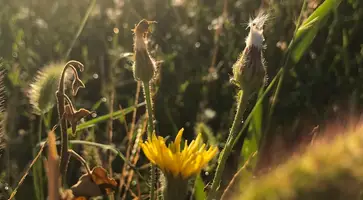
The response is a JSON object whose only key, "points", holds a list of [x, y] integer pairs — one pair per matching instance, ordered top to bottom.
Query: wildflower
{"points": [[144, 65], [249, 70], [172, 160], [177, 164]]}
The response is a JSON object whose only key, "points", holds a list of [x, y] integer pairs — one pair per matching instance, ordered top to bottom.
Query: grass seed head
{"points": [[42, 91]]}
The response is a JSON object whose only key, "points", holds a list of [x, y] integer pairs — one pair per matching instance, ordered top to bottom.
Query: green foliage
{"points": [[306, 33], [197, 43], [199, 193]]}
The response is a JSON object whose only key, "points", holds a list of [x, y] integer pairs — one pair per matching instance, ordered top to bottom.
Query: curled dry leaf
{"points": [[76, 85], [72, 115], [95, 184]]}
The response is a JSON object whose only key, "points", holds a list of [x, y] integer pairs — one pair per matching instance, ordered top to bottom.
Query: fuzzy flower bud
{"points": [[144, 65], [249, 70]]}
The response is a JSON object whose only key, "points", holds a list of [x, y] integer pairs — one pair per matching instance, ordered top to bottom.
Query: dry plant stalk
{"points": [[77, 83], [52, 167]]}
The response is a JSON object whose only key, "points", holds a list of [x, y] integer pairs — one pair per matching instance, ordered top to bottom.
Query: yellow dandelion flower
{"points": [[172, 159]]}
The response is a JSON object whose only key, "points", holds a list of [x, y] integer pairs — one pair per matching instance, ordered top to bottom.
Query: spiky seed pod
{"points": [[144, 65], [249, 70], [42, 91]]}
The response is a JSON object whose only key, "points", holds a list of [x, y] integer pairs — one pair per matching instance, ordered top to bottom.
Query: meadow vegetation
{"points": [[181, 99]]}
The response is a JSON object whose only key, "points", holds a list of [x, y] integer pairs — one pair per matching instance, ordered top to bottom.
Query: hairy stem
{"points": [[242, 103], [150, 130]]}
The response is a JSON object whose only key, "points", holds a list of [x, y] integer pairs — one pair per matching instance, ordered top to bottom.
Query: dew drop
{"points": [[116, 30], [197, 44], [15, 55], [95, 76], [103, 99], [94, 115], [206, 173], [133, 183]]}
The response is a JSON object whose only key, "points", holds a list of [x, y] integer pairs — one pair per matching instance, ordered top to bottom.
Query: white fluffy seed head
{"points": [[255, 36]]}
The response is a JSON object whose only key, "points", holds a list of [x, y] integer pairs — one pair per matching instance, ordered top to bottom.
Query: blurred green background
{"points": [[197, 41]]}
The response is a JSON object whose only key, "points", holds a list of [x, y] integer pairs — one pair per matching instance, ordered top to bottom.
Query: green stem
{"points": [[83, 23], [242, 103], [150, 130], [39, 163], [37, 169]]}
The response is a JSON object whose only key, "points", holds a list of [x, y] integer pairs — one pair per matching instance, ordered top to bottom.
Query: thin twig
{"points": [[217, 34], [135, 155], [27, 170], [124, 174], [236, 175]]}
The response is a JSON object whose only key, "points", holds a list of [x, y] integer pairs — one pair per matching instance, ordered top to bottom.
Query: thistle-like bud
{"points": [[144, 65], [249, 70]]}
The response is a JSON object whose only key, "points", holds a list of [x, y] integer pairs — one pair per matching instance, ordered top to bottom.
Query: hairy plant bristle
{"points": [[45, 84]]}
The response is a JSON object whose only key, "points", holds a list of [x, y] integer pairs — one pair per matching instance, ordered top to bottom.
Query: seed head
{"points": [[255, 36], [44, 86]]}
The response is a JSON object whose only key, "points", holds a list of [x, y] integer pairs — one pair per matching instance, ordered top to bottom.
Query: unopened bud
{"points": [[144, 65], [249, 70]]}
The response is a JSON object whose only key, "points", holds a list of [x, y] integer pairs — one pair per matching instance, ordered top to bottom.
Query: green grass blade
{"points": [[308, 30], [79, 31], [103, 118], [199, 193]]}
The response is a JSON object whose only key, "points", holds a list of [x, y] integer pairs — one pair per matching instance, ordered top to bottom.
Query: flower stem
{"points": [[242, 103], [150, 130], [175, 188]]}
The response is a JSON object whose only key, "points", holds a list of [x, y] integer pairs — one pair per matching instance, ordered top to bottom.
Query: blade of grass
{"points": [[83, 23], [308, 30], [302, 39], [114, 115], [199, 193]]}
